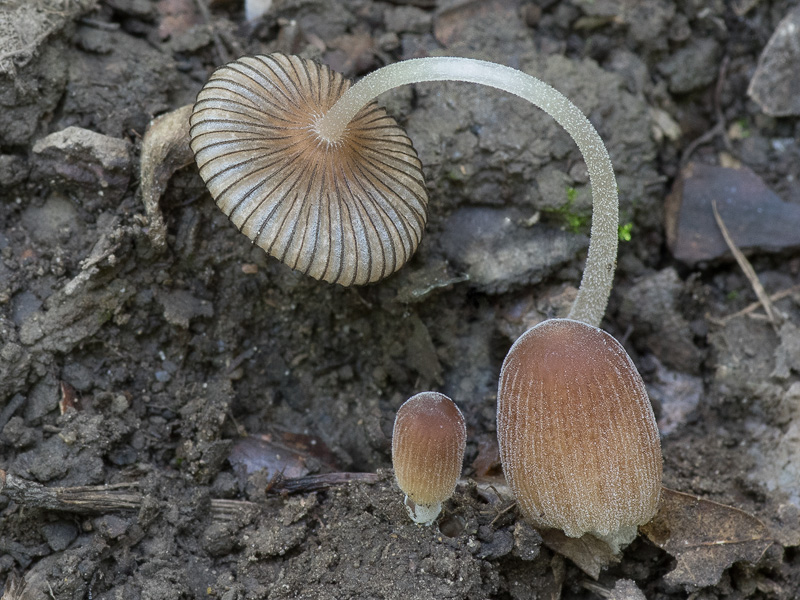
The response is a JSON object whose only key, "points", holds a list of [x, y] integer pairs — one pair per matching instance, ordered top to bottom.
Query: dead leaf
{"points": [[69, 398], [287, 454], [486, 466], [704, 537], [589, 554]]}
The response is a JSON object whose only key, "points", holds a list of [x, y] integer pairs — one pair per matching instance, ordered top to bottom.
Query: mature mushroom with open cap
{"points": [[312, 170], [350, 211]]}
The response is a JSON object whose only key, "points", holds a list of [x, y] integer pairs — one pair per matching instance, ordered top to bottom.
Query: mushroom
{"points": [[314, 172], [317, 174], [346, 211], [578, 439], [428, 444]]}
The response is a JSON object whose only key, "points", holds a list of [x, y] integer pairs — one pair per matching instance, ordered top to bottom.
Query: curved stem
{"points": [[598, 275]]}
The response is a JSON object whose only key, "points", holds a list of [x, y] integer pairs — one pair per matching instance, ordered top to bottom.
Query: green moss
{"points": [[744, 127], [572, 193], [574, 220], [624, 231]]}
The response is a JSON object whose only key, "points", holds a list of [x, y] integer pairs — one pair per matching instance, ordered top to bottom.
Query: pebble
{"points": [[775, 86], [83, 158], [755, 216]]}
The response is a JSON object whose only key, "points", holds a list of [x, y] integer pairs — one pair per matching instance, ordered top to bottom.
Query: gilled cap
{"points": [[350, 211]]}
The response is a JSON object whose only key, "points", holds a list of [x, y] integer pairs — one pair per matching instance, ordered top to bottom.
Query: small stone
{"points": [[408, 19], [692, 67], [775, 85], [85, 159], [755, 216], [53, 223], [499, 253], [180, 307], [123, 456], [111, 526], [59, 535], [527, 541]]}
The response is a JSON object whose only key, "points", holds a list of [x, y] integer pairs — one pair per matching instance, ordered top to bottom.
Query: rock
{"points": [[692, 67], [775, 86], [85, 159], [13, 170], [755, 216], [499, 254], [181, 306], [652, 307], [59, 535]]}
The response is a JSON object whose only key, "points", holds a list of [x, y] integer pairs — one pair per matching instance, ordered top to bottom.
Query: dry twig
{"points": [[719, 125], [749, 272], [754, 305], [98, 499]]}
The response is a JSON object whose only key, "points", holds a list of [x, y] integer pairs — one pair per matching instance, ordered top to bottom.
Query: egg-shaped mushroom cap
{"points": [[351, 211], [578, 439], [428, 445]]}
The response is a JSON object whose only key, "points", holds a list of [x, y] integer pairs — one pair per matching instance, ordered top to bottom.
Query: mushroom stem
{"points": [[590, 304]]}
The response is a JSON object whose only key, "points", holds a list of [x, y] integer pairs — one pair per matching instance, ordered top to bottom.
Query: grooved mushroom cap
{"points": [[350, 211], [578, 439], [428, 444]]}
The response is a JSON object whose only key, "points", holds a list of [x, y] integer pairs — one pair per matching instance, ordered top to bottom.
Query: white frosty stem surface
{"points": [[598, 275], [422, 514]]}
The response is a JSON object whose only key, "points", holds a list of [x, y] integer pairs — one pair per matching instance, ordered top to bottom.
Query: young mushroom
{"points": [[317, 174], [578, 440], [428, 444]]}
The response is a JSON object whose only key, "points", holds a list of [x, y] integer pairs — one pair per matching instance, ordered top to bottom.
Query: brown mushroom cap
{"points": [[350, 211], [578, 439], [428, 444]]}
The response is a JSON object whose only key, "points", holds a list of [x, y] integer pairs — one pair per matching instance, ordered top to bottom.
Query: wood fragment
{"points": [[165, 149], [773, 316], [315, 483], [81, 499], [99, 499]]}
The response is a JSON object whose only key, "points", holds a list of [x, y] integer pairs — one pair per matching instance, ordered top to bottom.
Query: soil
{"points": [[202, 373]]}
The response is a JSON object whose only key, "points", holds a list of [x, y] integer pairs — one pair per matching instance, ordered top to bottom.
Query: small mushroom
{"points": [[349, 211], [578, 439], [428, 444]]}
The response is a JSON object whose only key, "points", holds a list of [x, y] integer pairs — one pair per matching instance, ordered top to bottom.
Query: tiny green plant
{"points": [[625, 231]]}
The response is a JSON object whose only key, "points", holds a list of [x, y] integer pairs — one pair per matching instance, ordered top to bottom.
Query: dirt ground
{"points": [[198, 379]]}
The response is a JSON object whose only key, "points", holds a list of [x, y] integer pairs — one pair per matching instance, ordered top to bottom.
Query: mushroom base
{"points": [[422, 514], [619, 539]]}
